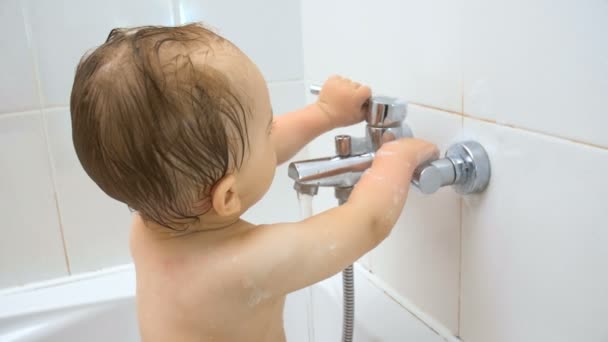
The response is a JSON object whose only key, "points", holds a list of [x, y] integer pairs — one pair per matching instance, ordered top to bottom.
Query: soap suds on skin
{"points": [[369, 173], [257, 295]]}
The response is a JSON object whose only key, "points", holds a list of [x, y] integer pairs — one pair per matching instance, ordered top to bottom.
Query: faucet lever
{"points": [[315, 89], [383, 111], [343, 145], [466, 167], [429, 177]]}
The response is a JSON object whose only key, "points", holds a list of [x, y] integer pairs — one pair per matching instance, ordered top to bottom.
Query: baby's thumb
{"points": [[418, 151]]}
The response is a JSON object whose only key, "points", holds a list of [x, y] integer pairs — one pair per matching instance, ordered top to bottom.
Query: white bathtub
{"points": [[100, 306]]}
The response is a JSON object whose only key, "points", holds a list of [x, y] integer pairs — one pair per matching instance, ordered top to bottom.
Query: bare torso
{"points": [[197, 288]]}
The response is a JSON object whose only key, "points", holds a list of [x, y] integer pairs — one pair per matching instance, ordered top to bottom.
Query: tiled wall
{"points": [[55, 221], [526, 261]]}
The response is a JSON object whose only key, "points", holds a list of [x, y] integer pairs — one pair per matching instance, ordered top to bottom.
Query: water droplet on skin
{"points": [[392, 142], [386, 153], [372, 175]]}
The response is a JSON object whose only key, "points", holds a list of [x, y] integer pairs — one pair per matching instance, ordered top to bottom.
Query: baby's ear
{"points": [[225, 198]]}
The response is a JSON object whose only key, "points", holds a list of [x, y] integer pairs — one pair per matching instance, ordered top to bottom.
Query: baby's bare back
{"points": [[198, 288]]}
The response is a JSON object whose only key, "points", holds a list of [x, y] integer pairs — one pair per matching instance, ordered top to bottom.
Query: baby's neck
{"points": [[206, 223]]}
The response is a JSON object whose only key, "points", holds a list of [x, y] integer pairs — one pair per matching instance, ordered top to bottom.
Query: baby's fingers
{"points": [[363, 92], [411, 150]]}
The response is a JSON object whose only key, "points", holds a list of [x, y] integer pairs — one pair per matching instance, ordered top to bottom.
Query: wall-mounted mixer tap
{"points": [[466, 165]]}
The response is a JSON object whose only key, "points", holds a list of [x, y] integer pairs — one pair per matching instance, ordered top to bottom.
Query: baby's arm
{"points": [[340, 103], [286, 257]]}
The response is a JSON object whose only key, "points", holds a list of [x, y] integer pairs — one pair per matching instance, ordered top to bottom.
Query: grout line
{"points": [[177, 18], [33, 55], [49, 108], [435, 108], [32, 110], [17, 111], [24, 113], [43, 123], [529, 130], [535, 131], [55, 194], [460, 203], [460, 263], [65, 280], [310, 314], [426, 319]]}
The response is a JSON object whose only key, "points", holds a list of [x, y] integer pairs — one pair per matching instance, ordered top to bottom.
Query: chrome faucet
{"points": [[466, 165]]}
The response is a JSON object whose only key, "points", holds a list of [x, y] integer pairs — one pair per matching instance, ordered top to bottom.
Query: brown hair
{"points": [[151, 128]]}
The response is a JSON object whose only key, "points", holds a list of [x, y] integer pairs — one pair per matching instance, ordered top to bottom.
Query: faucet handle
{"points": [[315, 89], [385, 111], [343, 145], [466, 166], [431, 176]]}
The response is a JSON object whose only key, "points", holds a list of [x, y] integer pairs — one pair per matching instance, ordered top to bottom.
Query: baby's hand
{"points": [[343, 101], [385, 185]]}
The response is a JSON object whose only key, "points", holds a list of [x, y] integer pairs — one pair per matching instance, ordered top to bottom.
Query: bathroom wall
{"points": [[55, 221], [527, 259]]}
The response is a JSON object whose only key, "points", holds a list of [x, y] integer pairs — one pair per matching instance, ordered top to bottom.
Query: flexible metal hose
{"points": [[348, 286]]}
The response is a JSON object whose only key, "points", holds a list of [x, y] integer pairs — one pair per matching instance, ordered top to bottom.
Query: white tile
{"points": [[63, 31], [267, 31], [409, 49], [541, 65], [18, 90], [286, 96], [280, 204], [96, 227], [31, 248], [534, 256], [420, 259], [327, 309], [295, 316]]}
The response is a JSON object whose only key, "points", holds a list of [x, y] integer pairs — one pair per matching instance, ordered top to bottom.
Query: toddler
{"points": [[176, 122]]}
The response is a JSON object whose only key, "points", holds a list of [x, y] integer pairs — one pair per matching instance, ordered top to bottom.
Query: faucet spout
{"points": [[331, 172]]}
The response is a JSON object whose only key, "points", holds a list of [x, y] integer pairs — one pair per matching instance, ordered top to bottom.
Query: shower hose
{"points": [[348, 289]]}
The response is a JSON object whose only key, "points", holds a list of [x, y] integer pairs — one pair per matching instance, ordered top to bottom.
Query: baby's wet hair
{"points": [[154, 127]]}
